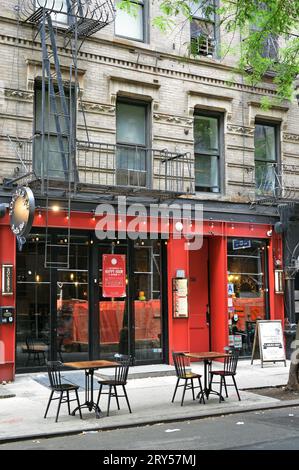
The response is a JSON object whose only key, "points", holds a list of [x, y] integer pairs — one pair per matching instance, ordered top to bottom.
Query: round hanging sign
{"points": [[21, 211]]}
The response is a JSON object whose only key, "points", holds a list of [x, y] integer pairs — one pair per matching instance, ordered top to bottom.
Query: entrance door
{"points": [[199, 299], [147, 301], [72, 307], [114, 318], [133, 325]]}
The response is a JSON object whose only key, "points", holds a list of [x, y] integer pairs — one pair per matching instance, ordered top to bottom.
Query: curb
{"points": [[4, 394], [151, 422]]}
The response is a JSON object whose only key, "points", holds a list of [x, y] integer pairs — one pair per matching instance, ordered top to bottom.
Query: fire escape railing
{"points": [[116, 166], [276, 181]]}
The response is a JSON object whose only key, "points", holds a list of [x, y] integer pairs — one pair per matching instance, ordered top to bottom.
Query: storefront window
{"points": [[247, 290], [147, 303], [33, 304]]}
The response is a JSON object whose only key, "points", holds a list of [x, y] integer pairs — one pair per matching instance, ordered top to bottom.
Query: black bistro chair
{"points": [[36, 351], [180, 363], [229, 370], [120, 380], [56, 386]]}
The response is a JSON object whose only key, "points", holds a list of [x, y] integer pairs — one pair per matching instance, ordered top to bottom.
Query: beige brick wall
{"points": [[159, 73]]}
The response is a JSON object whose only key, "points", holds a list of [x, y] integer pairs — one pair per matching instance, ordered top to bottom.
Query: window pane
{"points": [[59, 7], [201, 9], [128, 25], [49, 120], [130, 123], [206, 134], [264, 143], [57, 164], [206, 173], [264, 178], [246, 274]]}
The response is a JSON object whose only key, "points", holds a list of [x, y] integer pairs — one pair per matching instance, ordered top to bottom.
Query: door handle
{"points": [[208, 315]]}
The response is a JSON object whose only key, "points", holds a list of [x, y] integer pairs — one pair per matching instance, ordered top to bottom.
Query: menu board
{"points": [[180, 297], [269, 338]]}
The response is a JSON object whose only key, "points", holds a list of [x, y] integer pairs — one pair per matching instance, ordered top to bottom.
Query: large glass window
{"points": [[131, 25], [202, 28], [265, 145], [207, 153], [131, 155], [247, 290], [33, 304], [38, 308]]}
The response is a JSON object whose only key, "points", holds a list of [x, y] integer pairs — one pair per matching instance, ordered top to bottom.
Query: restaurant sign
{"points": [[114, 276], [7, 279]]}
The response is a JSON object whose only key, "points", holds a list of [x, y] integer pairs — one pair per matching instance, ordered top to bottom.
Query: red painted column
{"points": [[177, 258], [275, 262], [218, 293], [7, 331]]}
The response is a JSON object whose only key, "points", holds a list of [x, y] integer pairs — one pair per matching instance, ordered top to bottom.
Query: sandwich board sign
{"points": [[268, 344]]}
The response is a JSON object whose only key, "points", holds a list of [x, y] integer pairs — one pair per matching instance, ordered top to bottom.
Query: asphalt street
{"points": [[259, 430]]}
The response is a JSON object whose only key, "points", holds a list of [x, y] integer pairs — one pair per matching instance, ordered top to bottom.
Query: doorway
{"points": [[199, 299]]}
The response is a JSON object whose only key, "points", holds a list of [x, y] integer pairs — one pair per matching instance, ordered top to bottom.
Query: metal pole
{"points": [[290, 298]]}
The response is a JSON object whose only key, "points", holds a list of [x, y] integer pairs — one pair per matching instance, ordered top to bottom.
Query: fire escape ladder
{"points": [[54, 180]]}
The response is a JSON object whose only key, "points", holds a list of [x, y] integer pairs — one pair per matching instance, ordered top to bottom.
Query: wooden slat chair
{"points": [[180, 362], [229, 370], [119, 380], [56, 386]]}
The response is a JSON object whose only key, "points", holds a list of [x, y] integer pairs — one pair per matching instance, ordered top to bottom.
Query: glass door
{"points": [[147, 301], [72, 302], [114, 322]]}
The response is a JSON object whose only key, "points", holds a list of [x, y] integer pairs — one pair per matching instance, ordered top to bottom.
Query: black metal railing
{"points": [[107, 165], [277, 181]]}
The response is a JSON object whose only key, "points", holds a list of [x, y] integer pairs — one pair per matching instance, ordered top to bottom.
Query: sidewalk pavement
{"points": [[21, 417]]}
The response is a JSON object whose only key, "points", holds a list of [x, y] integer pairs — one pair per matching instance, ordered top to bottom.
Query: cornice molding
{"points": [[146, 68], [19, 95], [96, 108], [170, 119], [240, 130], [287, 137]]}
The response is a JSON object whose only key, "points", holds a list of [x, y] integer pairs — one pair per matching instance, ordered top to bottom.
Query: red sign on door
{"points": [[114, 276]]}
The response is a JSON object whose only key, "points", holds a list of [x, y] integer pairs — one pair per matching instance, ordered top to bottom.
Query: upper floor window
{"points": [[60, 11], [131, 26], [203, 28], [270, 47], [51, 135], [265, 148], [207, 153], [132, 165]]}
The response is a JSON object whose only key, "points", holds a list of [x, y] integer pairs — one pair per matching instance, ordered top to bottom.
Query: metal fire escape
{"points": [[73, 21]]}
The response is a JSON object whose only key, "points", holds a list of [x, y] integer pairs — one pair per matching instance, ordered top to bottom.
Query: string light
{"points": [[55, 208]]}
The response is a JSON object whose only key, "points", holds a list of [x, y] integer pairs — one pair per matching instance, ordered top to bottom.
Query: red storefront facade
{"points": [[208, 324]]}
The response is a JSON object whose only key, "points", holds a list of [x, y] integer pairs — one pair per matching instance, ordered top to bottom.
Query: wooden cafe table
{"points": [[207, 358], [90, 367]]}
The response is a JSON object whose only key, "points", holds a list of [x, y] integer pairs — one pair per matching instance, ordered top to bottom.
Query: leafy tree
{"points": [[256, 21]]}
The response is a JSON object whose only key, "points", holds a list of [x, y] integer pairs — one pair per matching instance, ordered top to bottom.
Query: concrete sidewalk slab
{"points": [[21, 417]]}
